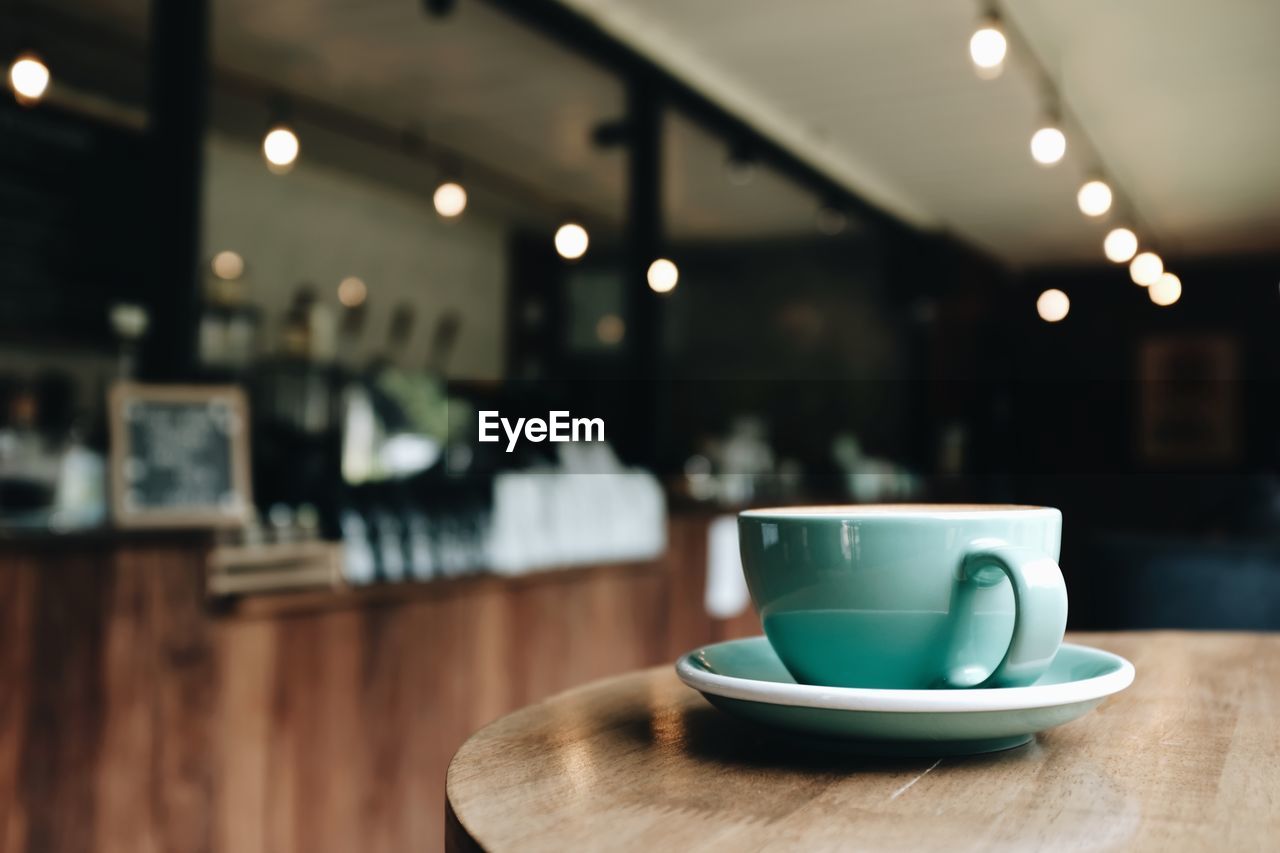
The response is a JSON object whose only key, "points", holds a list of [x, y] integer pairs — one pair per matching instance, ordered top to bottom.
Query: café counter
{"points": [[136, 715]]}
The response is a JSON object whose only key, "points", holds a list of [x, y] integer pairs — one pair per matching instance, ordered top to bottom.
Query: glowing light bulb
{"points": [[987, 49], [29, 78], [1048, 145], [280, 147], [1094, 198], [450, 199], [571, 241], [1120, 245], [227, 265], [1145, 268], [663, 276], [1166, 290], [352, 291], [1053, 305], [610, 329]]}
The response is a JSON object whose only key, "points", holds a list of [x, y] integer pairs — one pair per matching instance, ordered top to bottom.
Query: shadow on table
{"points": [[706, 734]]}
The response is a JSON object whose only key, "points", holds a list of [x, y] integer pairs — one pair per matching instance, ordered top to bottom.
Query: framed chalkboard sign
{"points": [[179, 456]]}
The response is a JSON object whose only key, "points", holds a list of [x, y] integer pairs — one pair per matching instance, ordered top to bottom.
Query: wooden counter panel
{"points": [[103, 690], [133, 719], [334, 728]]}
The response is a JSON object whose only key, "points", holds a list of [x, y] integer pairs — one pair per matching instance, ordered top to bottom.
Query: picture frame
{"points": [[1189, 407], [179, 456]]}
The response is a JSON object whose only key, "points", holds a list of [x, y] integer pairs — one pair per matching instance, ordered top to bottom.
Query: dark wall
{"points": [[73, 237], [804, 334], [864, 334], [1156, 431], [1177, 441]]}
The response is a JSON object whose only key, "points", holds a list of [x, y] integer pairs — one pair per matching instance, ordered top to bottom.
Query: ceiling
{"points": [[474, 82], [1179, 99], [511, 102]]}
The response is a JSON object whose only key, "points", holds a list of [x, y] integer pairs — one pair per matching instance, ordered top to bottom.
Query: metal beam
{"points": [[586, 38], [177, 81]]}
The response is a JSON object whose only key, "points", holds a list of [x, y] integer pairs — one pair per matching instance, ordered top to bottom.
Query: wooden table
{"points": [[1186, 758]]}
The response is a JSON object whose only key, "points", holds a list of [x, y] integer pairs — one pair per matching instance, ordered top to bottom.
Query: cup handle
{"points": [[1040, 607]]}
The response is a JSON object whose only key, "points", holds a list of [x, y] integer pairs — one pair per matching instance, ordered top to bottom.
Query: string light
{"points": [[987, 48], [29, 78], [1048, 145], [280, 147], [1094, 198], [450, 199], [571, 241], [1120, 245], [227, 265], [1145, 268], [662, 276], [1166, 290], [352, 291], [1053, 305], [610, 329]]}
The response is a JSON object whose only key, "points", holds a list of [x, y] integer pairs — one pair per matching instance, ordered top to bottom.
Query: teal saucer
{"points": [[745, 679]]}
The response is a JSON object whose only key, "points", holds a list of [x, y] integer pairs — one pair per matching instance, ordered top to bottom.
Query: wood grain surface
{"points": [[106, 674], [134, 719], [1188, 758]]}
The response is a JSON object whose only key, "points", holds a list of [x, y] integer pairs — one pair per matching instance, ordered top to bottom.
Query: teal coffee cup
{"points": [[908, 596]]}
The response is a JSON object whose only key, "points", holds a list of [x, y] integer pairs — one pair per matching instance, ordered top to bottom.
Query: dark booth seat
{"points": [[1138, 581]]}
